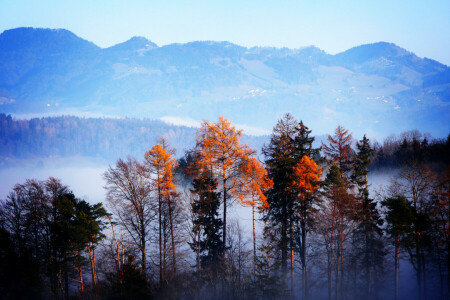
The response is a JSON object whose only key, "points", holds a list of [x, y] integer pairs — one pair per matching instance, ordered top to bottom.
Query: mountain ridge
{"points": [[50, 71]]}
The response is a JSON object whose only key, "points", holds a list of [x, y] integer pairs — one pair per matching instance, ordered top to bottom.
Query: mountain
{"points": [[376, 89]]}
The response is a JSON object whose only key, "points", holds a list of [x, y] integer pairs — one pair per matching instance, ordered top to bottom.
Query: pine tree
{"points": [[280, 160], [206, 211], [399, 220], [368, 234]]}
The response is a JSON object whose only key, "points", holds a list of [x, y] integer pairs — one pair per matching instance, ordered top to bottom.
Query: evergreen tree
{"points": [[280, 160], [206, 209], [399, 220], [368, 244]]}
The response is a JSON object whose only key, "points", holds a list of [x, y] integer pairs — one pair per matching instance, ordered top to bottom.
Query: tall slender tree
{"points": [[221, 153], [280, 160], [160, 163], [306, 181], [250, 188], [128, 197], [205, 209], [399, 225], [369, 232]]}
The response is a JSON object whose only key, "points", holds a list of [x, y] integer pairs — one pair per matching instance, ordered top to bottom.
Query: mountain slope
{"points": [[375, 88]]}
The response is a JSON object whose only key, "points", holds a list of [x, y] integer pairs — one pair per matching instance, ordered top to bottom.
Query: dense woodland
{"points": [[166, 230]]}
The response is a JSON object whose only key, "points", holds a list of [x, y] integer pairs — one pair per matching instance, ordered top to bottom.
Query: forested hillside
{"points": [[105, 138]]}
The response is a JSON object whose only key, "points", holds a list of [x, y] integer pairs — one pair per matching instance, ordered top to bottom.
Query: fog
{"points": [[82, 175]]}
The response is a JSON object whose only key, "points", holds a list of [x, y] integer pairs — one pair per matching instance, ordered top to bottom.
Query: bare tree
{"points": [[128, 197]]}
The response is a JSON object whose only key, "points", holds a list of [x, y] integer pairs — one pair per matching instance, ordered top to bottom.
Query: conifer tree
{"points": [[339, 149], [221, 153], [280, 160], [160, 163], [306, 180], [250, 188], [206, 211], [399, 220], [368, 243]]}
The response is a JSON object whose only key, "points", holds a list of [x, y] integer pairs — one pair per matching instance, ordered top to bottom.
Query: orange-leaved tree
{"points": [[220, 153], [159, 162], [305, 182], [250, 187]]}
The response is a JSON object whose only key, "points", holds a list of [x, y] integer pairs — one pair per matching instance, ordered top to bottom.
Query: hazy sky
{"points": [[420, 26]]}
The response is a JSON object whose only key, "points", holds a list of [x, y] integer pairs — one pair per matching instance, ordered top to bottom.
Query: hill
{"points": [[374, 88]]}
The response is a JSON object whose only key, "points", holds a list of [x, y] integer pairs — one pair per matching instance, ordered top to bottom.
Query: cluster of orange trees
{"points": [[317, 233]]}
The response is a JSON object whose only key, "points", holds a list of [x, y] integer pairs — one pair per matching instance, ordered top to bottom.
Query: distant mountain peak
{"points": [[57, 40], [136, 43]]}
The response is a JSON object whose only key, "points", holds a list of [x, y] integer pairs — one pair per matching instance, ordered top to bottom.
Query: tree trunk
{"points": [[224, 181], [291, 233], [160, 238], [284, 240], [254, 241], [117, 243], [143, 248], [331, 255], [303, 259], [397, 261], [174, 262], [93, 269], [80, 272]]}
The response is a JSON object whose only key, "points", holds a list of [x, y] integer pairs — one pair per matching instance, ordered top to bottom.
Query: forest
{"points": [[100, 138], [168, 227]]}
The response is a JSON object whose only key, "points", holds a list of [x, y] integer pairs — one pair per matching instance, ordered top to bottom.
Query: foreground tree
{"points": [[221, 153], [280, 160], [160, 163], [306, 181], [416, 183], [250, 189], [128, 197], [288, 200], [205, 209], [399, 219], [368, 244]]}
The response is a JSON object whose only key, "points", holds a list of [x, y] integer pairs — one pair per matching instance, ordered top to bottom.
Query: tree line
{"points": [[102, 138], [316, 230]]}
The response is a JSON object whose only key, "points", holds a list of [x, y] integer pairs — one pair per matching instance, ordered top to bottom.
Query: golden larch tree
{"points": [[221, 154], [160, 163], [306, 180], [249, 188]]}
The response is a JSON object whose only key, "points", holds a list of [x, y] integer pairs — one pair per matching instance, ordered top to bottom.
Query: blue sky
{"points": [[422, 27]]}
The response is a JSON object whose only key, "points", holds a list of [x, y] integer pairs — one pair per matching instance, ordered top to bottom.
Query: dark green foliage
{"points": [[288, 144], [397, 153], [206, 211], [399, 216], [50, 230], [369, 248]]}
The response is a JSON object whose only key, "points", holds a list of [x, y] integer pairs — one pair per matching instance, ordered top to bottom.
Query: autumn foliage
{"points": [[306, 177]]}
